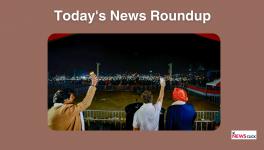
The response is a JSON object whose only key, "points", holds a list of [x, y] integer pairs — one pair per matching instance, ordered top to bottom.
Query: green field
{"points": [[112, 100]]}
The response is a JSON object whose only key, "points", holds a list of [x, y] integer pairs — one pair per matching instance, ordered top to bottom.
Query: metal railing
{"points": [[207, 115], [116, 120], [203, 125]]}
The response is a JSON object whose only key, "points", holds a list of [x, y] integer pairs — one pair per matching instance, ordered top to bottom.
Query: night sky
{"points": [[139, 53]]}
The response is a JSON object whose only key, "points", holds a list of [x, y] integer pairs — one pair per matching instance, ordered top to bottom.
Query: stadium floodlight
{"points": [[97, 68], [170, 73]]}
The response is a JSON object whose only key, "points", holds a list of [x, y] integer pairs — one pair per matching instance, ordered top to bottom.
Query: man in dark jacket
{"points": [[180, 115]]}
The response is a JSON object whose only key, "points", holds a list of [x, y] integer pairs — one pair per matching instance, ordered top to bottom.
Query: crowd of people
{"points": [[127, 80]]}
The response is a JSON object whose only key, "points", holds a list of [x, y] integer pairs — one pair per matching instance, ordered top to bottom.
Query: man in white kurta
{"points": [[147, 116]]}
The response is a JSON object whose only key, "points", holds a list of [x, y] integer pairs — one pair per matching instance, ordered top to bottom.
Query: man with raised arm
{"points": [[65, 114], [147, 116]]}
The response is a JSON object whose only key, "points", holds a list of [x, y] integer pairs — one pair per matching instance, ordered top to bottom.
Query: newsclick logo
{"points": [[243, 134]]}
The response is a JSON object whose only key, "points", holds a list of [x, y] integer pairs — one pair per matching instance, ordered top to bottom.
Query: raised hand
{"points": [[94, 79], [162, 82]]}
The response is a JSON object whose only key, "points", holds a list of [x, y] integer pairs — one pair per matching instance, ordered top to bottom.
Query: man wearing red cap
{"points": [[180, 115]]}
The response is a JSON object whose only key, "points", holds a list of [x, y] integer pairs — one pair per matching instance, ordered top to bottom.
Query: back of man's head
{"points": [[179, 94], [62, 95], [147, 96]]}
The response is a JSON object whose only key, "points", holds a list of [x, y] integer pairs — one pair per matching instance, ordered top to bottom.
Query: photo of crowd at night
{"points": [[126, 65]]}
